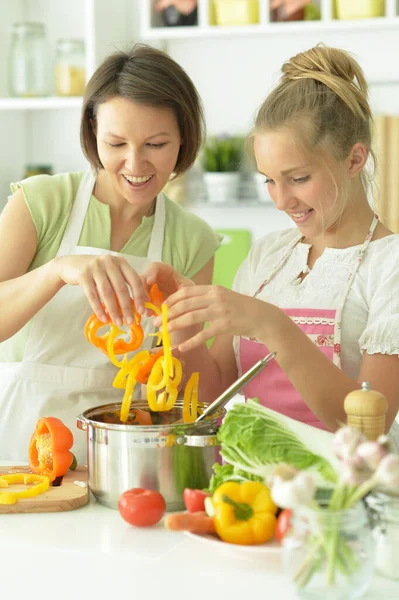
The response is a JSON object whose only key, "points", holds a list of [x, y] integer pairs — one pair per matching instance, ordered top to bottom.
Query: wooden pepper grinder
{"points": [[365, 410]]}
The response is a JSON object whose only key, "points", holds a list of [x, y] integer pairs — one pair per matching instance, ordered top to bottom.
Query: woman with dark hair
{"points": [[75, 243]]}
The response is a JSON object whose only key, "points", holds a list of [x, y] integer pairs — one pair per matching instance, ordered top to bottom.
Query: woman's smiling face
{"points": [[138, 146], [298, 183]]}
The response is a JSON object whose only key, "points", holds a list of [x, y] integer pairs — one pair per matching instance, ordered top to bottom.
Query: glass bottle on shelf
{"points": [[29, 61], [70, 73]]}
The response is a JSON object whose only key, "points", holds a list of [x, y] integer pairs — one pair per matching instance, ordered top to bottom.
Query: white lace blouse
{"points": [[370, 318]]}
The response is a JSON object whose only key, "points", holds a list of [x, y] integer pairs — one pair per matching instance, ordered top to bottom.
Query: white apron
{"points": [[62, 374]]}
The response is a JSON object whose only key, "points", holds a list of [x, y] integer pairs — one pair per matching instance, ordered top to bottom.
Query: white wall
{"points": [[234, 75]]}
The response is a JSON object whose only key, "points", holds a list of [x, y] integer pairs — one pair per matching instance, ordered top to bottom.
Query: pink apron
{"points": [[323, 326]]}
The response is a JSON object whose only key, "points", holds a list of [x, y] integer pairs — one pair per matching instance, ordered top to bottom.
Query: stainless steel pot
{"points": [[161, 456]]}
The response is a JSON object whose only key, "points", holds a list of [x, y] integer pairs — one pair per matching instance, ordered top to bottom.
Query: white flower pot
{"points": [[222, 187]]}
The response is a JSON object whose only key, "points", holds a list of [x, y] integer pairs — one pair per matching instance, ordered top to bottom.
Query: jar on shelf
{"points": [[172, 17], [29, 65], [70, 73], [384, 512]]}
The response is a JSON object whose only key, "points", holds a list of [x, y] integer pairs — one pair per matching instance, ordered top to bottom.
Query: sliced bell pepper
{"points": [[156, 295], [93, 324], [126, 367], [146, 367], [126, 378], [127, 398], [166, 399], [190, 399], [142, 417], [49, 449], [41, 483], [245, 514]]}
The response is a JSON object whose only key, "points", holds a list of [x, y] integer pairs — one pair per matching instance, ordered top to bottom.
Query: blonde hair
{"points": [[325, 89]]}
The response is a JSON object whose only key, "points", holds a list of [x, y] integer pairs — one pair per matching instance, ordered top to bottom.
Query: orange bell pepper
{"points": [[156, 296], [102, 342], [146, 367], [49, 448]]}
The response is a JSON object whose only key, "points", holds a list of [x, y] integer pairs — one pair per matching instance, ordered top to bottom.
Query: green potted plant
{"points": [[221, 159]]}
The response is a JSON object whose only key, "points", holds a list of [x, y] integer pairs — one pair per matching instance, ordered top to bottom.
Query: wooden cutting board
{"points": [[72, 493]]}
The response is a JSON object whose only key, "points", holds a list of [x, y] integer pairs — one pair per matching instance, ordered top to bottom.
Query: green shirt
{"points": [[189, 242]]}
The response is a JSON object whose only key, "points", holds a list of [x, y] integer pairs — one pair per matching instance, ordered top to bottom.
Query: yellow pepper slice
{"points": [[152, 306], [158, 335], [167, 345], [166, 362], [127, 366], [130, 370], [127, 398], [167, 398], [190, 398], [40, 483], [245, 513]]}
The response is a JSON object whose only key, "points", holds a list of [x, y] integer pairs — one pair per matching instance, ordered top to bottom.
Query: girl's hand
{"points": [[166, 277], [106, 280], [227, 312]]}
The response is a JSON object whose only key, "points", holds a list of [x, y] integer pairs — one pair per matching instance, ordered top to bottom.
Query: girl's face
{"points": [[138, 146], [299, 185]]}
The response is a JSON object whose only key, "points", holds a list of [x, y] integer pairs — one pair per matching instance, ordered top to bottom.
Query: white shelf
{"points": [[213, 31], [47, 103]]}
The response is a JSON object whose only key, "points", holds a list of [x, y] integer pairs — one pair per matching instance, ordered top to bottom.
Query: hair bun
{"points": [[334, 68]]}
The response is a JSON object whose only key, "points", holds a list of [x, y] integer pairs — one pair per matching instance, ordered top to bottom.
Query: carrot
{"points": [[197, 522]]}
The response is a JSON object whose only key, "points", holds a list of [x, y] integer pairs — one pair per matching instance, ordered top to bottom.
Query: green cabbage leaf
{"points": [[254, 439]]}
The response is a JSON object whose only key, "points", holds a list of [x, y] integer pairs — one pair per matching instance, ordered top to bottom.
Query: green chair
{"points": [[230, 254]]}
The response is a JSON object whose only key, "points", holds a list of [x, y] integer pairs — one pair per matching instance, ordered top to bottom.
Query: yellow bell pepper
{"points": [[130, 371], [166, 399], [190, 399], [40, 483], [245, 513]]}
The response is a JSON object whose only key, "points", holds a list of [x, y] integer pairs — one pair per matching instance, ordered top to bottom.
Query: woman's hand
{"points": [[166, 277], [107, 281], [227, 312]]}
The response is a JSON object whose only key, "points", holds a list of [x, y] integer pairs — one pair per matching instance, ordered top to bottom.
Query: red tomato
{"points": [[194, 500], [141, 507], [283, 524]]}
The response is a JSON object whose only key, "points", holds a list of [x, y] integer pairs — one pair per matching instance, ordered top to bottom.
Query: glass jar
{"points": [[29, 65], [70, 73], [384, 512], [329, 554]]}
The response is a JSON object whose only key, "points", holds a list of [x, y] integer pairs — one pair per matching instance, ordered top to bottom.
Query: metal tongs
{"points": [[236, 386]]}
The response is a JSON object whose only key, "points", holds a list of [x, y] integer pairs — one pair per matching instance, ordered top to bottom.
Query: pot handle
{"points": [[81, 423], [199, 441]]}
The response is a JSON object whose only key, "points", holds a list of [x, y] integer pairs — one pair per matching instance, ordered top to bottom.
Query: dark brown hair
{"points": [[147, 76]]}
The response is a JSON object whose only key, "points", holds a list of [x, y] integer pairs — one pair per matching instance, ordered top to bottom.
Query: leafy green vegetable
{"points": [[254, 439], [222, 473]]}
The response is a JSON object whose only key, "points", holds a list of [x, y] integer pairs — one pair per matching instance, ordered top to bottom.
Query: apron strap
{"points": [[78, 213], [158, 230], [362, 251], [280, 264]]}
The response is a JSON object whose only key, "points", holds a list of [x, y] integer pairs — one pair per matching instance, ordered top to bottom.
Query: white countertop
{"points": [[92, 552]]}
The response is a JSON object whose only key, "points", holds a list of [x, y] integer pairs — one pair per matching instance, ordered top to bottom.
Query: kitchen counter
{"points": [[93, 552]]}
